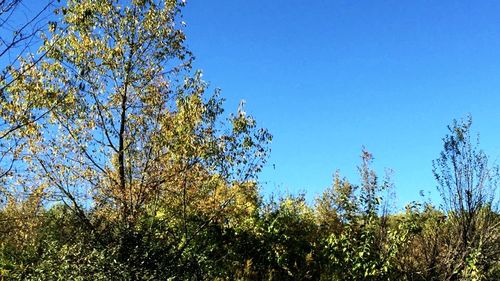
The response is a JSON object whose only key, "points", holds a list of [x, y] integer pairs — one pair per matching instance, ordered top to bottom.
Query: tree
{"points": [[131, 138], [467, 184], [362, 245]]}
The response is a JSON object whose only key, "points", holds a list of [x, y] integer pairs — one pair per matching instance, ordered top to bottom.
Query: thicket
{"points": [[116, 164]]}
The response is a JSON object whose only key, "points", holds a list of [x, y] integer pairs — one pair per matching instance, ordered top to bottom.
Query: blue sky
{"points": [[327, 77]]}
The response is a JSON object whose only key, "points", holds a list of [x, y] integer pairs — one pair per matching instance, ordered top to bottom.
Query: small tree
{"points": [[467, 183], [362, 245]]}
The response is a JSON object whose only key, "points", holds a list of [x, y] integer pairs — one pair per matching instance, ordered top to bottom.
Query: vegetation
{"points": [[118, 164]]}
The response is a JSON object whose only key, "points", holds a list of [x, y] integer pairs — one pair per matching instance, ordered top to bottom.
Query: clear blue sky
{"points": [[327, 77]]}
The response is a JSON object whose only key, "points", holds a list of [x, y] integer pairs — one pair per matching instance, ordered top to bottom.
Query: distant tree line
{"points": [[117, 163]]}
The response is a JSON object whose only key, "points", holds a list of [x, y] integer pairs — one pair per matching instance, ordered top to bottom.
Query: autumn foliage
{"points": [[118, 163]]}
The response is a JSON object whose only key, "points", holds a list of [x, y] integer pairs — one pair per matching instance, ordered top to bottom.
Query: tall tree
{"points": [[128, 123], [124, 134]]}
